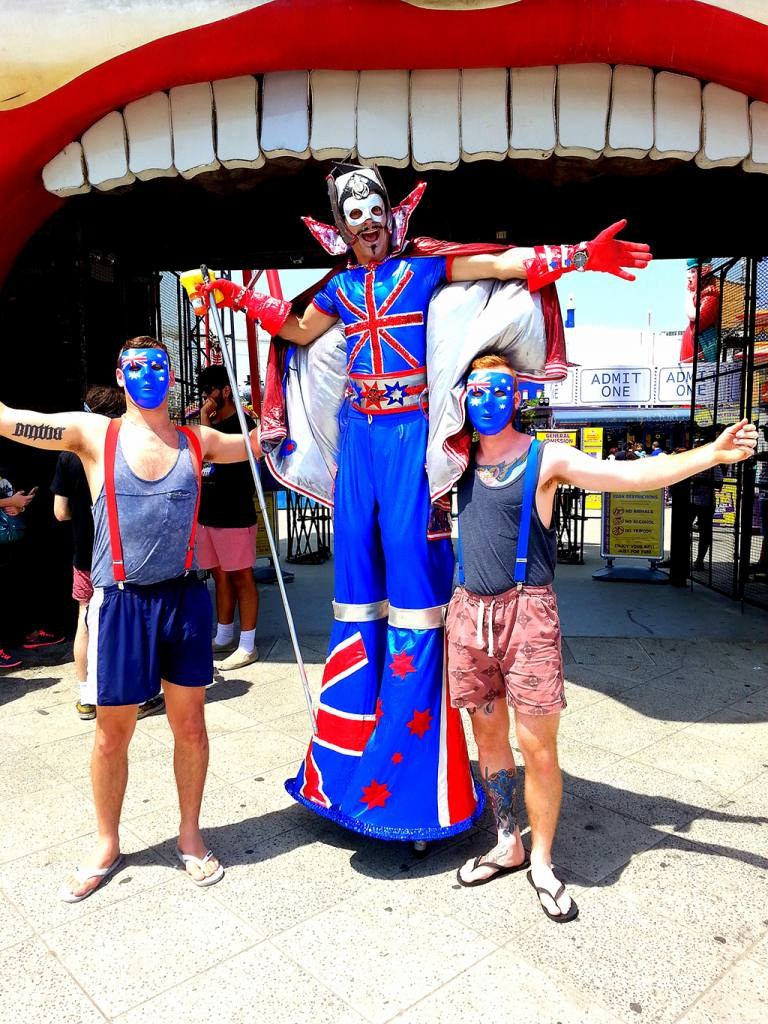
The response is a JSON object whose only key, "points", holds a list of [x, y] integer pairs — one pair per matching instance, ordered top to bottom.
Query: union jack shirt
{"points": [[384, 311]]}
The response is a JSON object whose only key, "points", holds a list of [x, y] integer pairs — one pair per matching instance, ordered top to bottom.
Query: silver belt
{"points": [[381, 394]]}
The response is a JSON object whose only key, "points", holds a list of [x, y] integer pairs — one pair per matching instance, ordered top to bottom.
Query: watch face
{"points": [[580, 258]]}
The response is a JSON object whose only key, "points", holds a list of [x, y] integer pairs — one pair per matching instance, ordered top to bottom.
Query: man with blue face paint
{"points": [[149, 619], [503, 626]]}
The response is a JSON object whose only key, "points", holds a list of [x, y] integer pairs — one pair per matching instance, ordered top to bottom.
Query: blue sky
{"points": [[601, 300]]}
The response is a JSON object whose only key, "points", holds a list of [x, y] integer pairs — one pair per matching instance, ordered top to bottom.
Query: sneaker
{"points": [[41, 638], [239, 659], [8, 661], [152, 706], [86, 712]]}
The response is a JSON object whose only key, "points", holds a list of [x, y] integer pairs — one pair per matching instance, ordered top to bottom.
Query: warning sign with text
{"points": [[633, 525]]}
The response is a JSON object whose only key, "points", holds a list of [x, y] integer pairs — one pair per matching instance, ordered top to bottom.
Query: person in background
{"points": [[656, 449], [72, 503], [12, 504], [226, 539]]}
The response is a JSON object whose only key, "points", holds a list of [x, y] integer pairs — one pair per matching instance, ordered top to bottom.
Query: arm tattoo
{"points": [[38, 432], [502, 789]]}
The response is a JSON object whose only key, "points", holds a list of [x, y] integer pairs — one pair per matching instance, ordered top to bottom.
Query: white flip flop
{"points": [[198, 862], [84, 875]]}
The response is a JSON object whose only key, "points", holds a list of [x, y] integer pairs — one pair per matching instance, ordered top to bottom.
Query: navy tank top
{"points": [[155, 521], [489, 521]]}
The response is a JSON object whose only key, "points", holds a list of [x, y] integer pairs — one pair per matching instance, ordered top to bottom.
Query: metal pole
{"points": [[214, 312]]}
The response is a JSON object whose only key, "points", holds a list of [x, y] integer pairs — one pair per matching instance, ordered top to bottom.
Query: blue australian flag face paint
{"points": [[147, 375], [490, 400]]}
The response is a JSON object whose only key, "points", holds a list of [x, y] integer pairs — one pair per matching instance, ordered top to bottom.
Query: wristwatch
{"points": [[581, 257]]}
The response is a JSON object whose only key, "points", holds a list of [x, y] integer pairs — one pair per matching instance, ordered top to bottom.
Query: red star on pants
{"points": [[402, 664], [379, 711], [420, 723], [397, 757], [375, 795]]}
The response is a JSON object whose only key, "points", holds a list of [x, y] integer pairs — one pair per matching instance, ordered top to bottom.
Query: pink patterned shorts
{"points": [[507, 645]]}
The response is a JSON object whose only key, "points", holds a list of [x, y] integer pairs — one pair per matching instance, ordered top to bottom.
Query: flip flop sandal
{"points": [[198, 862], [499, 871], [84, 875], [569, 915]]}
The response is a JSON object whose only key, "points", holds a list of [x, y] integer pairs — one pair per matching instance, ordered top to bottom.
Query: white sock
{"points": [[224, 632], [247, 640], [84, 695]]}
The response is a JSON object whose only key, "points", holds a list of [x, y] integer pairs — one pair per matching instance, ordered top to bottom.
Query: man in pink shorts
{"points": [[226, 538], [503, 626]]}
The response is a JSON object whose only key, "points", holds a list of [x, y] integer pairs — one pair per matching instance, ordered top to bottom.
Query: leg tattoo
{"points": [[502, 789]]}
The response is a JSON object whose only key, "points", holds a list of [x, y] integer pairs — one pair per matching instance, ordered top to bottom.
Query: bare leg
{"points": [[244, 586], [225, 596], [80, 646], [184, 707], [490, 726], [537, 739], [109, 777]]}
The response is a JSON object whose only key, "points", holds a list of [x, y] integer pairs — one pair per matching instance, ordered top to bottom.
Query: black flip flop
{"points": [[500, 870], [569, 915]]}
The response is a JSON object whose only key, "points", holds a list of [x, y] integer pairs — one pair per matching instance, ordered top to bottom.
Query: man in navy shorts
{"points": [[149, 619], [503, 626]]}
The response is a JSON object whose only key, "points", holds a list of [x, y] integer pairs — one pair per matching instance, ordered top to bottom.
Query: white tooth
{"points": [[583, 98], [334, 99], [285, 114], [758, 114], [677, 116], [382, 118], [435, 120], [484, 120], [192, 121], [237, 122], [533, 126], [725, 127], [630, 132], [150, 139], [106, 152], [65, 175]]}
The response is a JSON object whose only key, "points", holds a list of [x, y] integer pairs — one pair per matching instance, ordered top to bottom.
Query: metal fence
{"points": [[728, 504]]}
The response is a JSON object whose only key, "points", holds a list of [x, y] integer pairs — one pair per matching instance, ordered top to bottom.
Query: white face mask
{"points": [[358, 211]]}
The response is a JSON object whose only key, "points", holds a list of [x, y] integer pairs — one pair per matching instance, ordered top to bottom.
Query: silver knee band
{"points": [[360, 612], [417, 618]]}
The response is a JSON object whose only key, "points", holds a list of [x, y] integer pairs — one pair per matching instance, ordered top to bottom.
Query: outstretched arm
{"points": [[546, 263], [273, 314], [63, 431], [218, 447], [566, 465]]}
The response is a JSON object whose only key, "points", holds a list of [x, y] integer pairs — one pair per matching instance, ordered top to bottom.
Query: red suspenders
{"points": [[115, 544]]}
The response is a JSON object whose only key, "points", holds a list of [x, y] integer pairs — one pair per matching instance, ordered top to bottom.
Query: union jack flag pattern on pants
{"points": [[389, 758]]}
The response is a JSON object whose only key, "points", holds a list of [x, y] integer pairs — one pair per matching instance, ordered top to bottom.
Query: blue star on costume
{"points": [[395, 393]]}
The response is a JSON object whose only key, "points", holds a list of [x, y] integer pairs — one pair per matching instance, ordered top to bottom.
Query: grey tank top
{"points": [[155, 522], [489, 524]]}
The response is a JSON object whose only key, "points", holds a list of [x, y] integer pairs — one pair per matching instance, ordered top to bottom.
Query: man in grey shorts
{"points": [[149, 620], [503, 626]]}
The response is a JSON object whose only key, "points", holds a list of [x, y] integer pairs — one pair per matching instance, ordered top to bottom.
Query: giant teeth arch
{"points": [[430, 119]]}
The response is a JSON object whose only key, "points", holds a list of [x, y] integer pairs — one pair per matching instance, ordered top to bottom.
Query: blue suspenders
{"points": [[529, 493]]}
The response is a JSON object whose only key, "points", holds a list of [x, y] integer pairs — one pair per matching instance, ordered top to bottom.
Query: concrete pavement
{"points": [[664, 841]]}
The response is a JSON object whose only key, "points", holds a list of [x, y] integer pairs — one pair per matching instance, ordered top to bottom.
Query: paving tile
{"points": [[588, 650], [605, 680], [709, 681], [21, 694], [580, 696], [44, 725], [611, 725], [737, 730], [249, 752], [71, 757], [581, 759], [721, 768], [23, 771], [645, 794], [233, 819], [35, 821], [738, 822], [593, 841], [292, 876], [33, 882], [708, 890], [13, 927], [159, 937], [409, 952], [759, 952], [623, 953], [261, 984], [34, 986], [476, 996], [741, 997]]}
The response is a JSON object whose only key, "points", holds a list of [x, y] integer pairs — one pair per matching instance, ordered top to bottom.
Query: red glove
{"points": [[604, 253], [270, 312]]}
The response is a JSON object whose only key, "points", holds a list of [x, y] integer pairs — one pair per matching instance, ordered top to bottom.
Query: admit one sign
{"points": [[615, 385]]}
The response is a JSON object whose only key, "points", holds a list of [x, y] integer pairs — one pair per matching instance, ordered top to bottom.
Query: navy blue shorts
{"points": [[142, 634]]}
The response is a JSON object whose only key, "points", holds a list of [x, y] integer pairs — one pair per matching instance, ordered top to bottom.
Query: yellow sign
{"points": [[559, 436], [592, 444], [725, 503], [633, 525], [262, 544]]}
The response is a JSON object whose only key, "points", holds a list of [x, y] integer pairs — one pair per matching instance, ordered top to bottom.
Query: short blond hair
{"points": [[492, 361]]}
